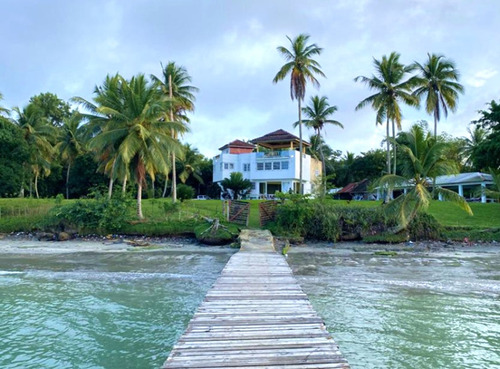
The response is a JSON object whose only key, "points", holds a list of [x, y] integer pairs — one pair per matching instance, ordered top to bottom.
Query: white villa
{"points": [[270, 162]]}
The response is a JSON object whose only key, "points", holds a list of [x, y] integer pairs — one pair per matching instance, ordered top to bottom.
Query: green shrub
{"points": [[184, 192], [101, 214], [424, 227]]}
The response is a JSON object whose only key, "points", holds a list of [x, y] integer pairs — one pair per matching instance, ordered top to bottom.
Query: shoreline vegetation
{"points": [[329, 220]]}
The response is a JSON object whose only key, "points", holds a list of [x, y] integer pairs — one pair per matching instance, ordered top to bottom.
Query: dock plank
{"points": [[256, 316]]}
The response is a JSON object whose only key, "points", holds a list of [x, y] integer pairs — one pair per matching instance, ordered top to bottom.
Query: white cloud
{"points": [[479, 79]]}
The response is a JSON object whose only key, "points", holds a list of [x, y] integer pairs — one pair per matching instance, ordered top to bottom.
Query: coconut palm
{"points": [[302, 68], [438, 83], [174, 84], [392, 88], [3, 111], [318, 113], [135, 133], [39, 135], [476, 137], [70, 144], [422, 159], [190, 163], [495, 192]]}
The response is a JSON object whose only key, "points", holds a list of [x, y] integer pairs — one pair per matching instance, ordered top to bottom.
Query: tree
{"points": [[302, 67], [438, 83], [175, 86], [391, 89], [52, 108], [3, 111], [318, 113], [134, 128], [39, 135], [476, 137], [70, 144], [14, 151], [487, 153], [422, 159], [190, 164], [236, 184], [494, 193]]}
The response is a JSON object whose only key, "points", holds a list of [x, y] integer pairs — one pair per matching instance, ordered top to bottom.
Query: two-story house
{"points": [[270, 162]]}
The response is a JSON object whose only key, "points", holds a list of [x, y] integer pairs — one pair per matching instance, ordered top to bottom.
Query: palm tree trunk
{"points": [[435, 126], [394, 147], [388, 152], [174, 174], [323, 174], [67, 180], [124, 185], [301, 185], [36, 186], [110, 187], [153, 187], [165, 187], [139, 200]]}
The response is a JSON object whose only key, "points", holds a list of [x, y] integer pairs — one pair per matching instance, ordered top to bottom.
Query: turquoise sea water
{"points": [[127, 309], [89, 310], [409, 311]]}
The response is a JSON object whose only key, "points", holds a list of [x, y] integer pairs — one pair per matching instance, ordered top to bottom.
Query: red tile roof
{"points": [[238, 144], [354, 187]]}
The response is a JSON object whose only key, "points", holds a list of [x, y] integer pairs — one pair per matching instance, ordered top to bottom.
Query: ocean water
{"points": [[127, 309]]}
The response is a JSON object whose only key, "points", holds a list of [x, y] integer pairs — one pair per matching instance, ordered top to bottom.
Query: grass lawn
{"points": [[161, 218]]}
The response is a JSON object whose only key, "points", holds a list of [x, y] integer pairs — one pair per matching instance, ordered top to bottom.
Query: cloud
{"points": [[481, 77]]}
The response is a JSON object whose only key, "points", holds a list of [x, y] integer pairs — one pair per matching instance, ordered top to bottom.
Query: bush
{"points": [[184, 192], [101, 214], [321, 220], [424, 227]]}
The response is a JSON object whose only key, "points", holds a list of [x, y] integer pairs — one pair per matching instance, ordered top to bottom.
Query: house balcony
{"points": [[275, 154]]}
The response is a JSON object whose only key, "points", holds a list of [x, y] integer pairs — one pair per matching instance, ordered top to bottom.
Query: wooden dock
{"points": [[256, 316]]}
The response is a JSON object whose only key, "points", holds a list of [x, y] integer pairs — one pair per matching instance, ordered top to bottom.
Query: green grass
{"points": [[29, 214]]}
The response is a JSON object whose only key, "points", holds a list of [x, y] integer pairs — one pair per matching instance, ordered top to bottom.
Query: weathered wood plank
{"points": [[256, 316]]}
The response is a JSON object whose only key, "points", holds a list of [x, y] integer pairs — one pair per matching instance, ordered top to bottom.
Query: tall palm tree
{"points": [[302, 67], [438, 83], [174, 84], [392, 88], [108, 94], [318, 113], [39, 135], [476, 137], [140, 139], [70, 144], [422, 159]]}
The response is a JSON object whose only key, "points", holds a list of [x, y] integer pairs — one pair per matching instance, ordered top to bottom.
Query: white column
{"points": [[461, 190], [405, 191], [378, 194], [483, 194], [440, 197]]}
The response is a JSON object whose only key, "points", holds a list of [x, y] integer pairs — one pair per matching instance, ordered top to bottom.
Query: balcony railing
{"points": [[275, 154]]}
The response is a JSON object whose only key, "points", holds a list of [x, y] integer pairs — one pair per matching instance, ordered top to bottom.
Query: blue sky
{"points": [[229, 48]]}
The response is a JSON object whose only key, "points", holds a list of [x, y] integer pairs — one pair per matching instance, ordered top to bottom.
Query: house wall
{"points": [[260, 167]]}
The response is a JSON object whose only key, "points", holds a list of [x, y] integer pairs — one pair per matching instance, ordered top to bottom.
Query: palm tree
{"points": [[301, 68], [438, 83], [174, 84], [391, 89], [2, 109], [318, 113], [135, 133], [39, 135], [476, 137], [70, 144], [422, 159], [190, 163], [494, 193]]}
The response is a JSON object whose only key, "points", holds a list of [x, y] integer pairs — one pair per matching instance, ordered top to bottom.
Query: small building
{"points": [[270, 162], [467, 185], [355, 191]]}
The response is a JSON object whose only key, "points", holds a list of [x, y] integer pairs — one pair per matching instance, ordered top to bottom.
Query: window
{"points": [[267, 165], [276, 165], [284, 165], [226, 166], [231, 166], [260, 166], [246, 167], [254, 184]]}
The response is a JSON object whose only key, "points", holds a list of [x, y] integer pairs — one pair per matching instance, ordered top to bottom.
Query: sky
{"points": [[229, 49]]}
